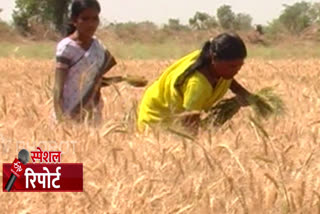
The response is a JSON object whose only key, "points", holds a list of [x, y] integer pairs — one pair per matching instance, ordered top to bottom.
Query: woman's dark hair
{"points": [[77, 7], [226, 46]]}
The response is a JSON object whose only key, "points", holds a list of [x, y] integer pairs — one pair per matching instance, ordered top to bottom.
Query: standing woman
{"points": [[81, 61], [195, 83]]}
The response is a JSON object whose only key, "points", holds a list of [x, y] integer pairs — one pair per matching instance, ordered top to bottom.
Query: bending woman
{"points": [[195, 83]]}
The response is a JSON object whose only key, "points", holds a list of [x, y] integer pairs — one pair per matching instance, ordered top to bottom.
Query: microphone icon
{"points": [[17, 168]]}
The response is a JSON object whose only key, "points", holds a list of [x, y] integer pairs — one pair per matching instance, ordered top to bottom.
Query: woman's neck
{"points": [[82, 40], [210, 71], [210, 74]]}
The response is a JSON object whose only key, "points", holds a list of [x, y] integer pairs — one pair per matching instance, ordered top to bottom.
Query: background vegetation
{"points": [[37, 27]]}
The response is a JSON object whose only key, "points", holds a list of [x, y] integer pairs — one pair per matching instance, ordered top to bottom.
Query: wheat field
{"points": [[235, 169]]}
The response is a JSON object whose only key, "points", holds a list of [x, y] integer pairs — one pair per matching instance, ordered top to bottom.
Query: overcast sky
{"points": [[159, 11]]}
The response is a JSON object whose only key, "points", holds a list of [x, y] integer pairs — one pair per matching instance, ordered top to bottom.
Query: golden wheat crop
{"points": [[239, 168]]}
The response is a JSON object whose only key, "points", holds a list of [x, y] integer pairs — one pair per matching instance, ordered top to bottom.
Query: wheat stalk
{"points": [[133, 80]]}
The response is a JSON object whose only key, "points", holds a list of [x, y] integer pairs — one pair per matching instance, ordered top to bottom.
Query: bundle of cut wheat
{"points": [[264, 103]]}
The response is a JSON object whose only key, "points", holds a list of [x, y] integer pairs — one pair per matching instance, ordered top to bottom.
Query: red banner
{"points": [[60, 177]]}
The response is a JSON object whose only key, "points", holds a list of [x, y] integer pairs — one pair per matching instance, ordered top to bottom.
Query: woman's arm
{"points": [[112, 62], [108, 63], [60, 76], [195, 93], [242, 93]]}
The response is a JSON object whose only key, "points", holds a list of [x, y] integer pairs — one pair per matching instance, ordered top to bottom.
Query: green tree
{"points": [[46, 11], [315, 13], [226, 17], [297, 17], [203, 21], [243, 21], [174, 24], [275, 28]]}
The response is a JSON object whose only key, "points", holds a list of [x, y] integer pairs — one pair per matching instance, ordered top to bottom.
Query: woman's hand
{"points": [[60, 77], [242, 94], [243, 100], [59, 113], [191, 121]]}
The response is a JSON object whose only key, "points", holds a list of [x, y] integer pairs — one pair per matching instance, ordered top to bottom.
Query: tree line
{"points": [[293, 19]]}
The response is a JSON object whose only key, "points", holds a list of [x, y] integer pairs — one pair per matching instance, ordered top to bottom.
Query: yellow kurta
{"points": [[162, 100]]}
